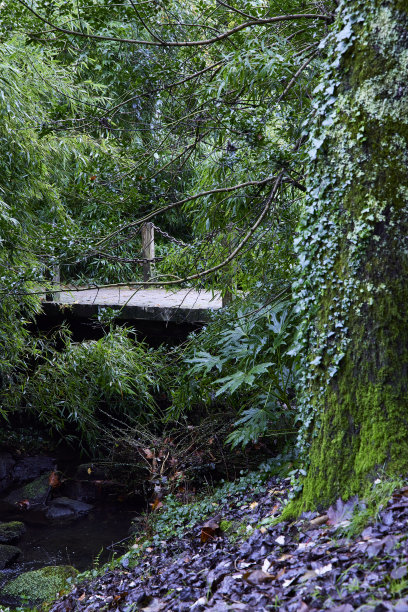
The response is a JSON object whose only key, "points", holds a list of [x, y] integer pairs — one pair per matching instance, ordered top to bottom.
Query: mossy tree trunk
{"points": [[353, 254]]}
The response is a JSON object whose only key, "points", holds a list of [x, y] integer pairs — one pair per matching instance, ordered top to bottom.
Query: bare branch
{"points": [[235, 10], [152, 34], [186, 43], [295, 76], [165, 87], [180, 203], [224, 263]]}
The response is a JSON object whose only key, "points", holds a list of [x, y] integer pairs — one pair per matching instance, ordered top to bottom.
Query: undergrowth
{"points": [[242, 361], [76, 391]]}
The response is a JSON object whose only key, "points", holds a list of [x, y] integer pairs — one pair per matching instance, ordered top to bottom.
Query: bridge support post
{"points": [[148, 250], [55, 279], [227, 295]]}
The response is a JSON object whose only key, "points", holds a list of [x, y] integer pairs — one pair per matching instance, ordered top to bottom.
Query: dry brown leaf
{"points": [[54, 480], [23, 504], [156, 505], [210, 529], [258, 577]]}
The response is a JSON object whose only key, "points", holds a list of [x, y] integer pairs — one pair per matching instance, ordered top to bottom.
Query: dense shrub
{"points": [[76, 391]]}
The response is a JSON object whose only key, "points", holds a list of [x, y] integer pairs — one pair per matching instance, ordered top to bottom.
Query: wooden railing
{"points": [[147, 261]]}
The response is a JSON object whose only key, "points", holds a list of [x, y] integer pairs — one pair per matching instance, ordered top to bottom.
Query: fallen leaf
{"points": [[54, 480], [24, 504], [156, 505], [253, 505], [343, 511], [210, 529], [285, 557], [320, 571], [399, 572], [309, 575], [258, 577], [288, 582]]}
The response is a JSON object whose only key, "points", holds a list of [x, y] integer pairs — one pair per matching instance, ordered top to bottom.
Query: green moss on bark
{"points": [[353, 288]]}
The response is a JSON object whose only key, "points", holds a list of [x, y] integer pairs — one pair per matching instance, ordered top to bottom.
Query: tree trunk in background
{"points": [[353, 258]]}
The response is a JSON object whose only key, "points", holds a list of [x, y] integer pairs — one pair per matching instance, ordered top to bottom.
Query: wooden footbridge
{"points": [[137, 303], [176, 306]]}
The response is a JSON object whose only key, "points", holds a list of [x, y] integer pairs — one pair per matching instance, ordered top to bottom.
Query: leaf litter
{"points": [[299, 566]]}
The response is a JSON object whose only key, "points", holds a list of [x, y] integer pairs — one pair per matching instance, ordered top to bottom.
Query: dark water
{"points": [[84, 543]]}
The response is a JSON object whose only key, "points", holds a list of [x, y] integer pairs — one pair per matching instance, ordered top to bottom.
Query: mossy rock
{"points": [[36, 492], [10, 532], [8, 554], [40, 585]]}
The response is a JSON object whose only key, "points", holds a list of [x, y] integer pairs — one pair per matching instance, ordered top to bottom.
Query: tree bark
{"points": [[353, 258]]}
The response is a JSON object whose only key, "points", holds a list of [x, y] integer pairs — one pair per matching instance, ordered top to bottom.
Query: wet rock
{"points": [[30, 468], [6, 469], [82, 490], [89, 490], [32, 494], [64, 508], [11, 532], [8, 554], [39, 585]]}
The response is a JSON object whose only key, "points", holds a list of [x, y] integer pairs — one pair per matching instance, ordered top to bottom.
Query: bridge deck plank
{"points": [[139, 303]]}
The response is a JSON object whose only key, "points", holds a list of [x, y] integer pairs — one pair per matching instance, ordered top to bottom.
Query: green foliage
{"points": [[107, 137], [241, 359], [77, 390]]}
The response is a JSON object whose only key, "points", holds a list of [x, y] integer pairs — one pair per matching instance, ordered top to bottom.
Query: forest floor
{"points": [[352, 557]]}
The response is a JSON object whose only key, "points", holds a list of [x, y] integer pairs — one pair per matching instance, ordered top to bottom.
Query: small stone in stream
{"points": [[63, 508], [11, 532], [8, 554]]}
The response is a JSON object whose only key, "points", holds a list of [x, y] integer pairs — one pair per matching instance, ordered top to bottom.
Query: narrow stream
{"points": [[84, 543]]}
